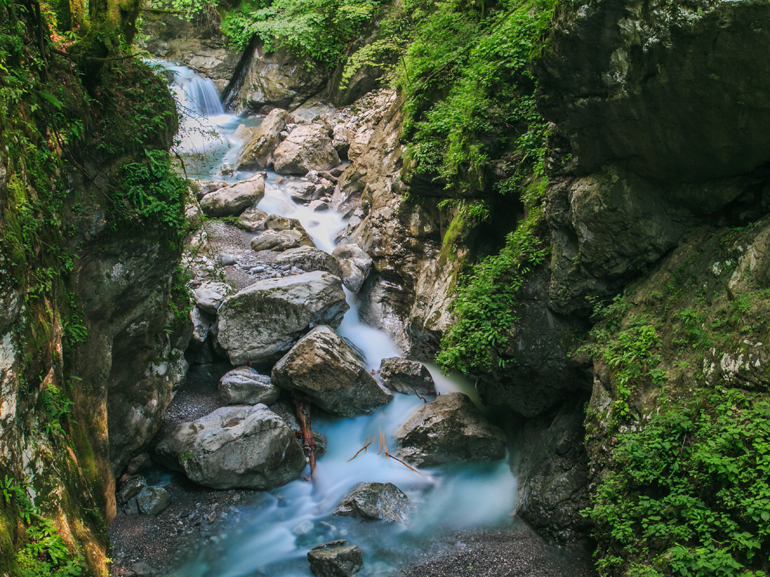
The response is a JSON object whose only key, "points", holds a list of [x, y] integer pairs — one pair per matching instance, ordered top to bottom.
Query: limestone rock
{"points": [[277, 79], [308, 147], [257, 152], [301, 191], [233, 200], [252, 219], [277, 240], [309, 259], [355, 264], [209, 296], [265, 319], [201, 326], [324, 367], [407, 377], [245, 386], [449, 430], [247, 447], [153, 501], [375, 502], [335, 559]]}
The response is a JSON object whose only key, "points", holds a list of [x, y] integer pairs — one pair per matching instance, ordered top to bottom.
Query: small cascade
{"points": [[197, 94]]}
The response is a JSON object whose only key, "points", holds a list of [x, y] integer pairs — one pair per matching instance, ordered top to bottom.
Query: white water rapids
{"points": [[285, 523]]}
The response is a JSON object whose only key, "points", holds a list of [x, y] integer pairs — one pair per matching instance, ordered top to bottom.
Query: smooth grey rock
{"points": [[308, 147], [257, 152], [206, 186], [301, 191], [233, 200], [319, 206], [252, 219], [276, 240], [225, 259], [309, 259], [355, 264], [209, 296], [265, 319], [324, 367], [407, 377], [246, 386], [449, 430], [247, 447], [130, 488], [153, 501], [375, 502], [303, 528], [336, 559], [142, 570]]}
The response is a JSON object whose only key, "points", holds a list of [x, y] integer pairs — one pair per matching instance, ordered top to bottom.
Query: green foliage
{"points": [[317, 29], [471, 92], [153, 192], [485, 305], [57, 406], [689, 494]]}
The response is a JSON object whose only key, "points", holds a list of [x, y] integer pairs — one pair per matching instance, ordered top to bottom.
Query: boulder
{"points": [[308, 147], [257, 152], [203, 187], [301, 191], [233, 200], [319, 205], [252, 219], [277, 240], [309, 259], [355, 264], [209, 296], [264, 320], [201, 325], [325, 368], [407, 377], [245, 386], [449, 430], [247, 447], [130, 488], [153, 501], [375, 502], [335, 559]]}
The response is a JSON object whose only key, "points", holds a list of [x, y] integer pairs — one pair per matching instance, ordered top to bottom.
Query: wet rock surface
{"points": [[309, 259], [355, 264], [265, 319], [325, 368], [407, 377], [245, 386], [449, 430], [234, 447], [153, 500], [375, 502], [336, 559]]}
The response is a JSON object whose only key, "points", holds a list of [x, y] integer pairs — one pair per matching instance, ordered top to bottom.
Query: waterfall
{"points": [[196, 93]]}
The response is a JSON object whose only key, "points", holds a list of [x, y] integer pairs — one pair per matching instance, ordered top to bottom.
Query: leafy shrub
{"points": [[689, 494]]}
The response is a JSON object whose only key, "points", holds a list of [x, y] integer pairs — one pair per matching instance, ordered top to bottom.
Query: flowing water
{"points": [[288, 521]]}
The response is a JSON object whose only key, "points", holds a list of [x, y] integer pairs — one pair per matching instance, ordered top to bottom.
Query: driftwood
{"points": [[302, 405], [383, 451]]}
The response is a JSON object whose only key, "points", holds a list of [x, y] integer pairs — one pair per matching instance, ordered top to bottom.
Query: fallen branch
{"points": [[423, 399], [302, 404], [364, 448], [383, 451], [404, 464]]}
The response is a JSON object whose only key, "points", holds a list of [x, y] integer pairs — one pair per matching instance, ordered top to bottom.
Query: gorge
{"points": [[556, 211]]}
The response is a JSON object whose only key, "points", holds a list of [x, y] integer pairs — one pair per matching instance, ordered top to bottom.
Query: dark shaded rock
{"points": [[324, 367], [407, 377], [449, 430], [552, 470], [130, 488], [153, 501], [375, 502], [336, 559]]}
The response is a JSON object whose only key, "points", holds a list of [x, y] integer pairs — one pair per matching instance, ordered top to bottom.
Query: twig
{"points": [[423, 399], [303, 415], [364, 448], [408, 466]]}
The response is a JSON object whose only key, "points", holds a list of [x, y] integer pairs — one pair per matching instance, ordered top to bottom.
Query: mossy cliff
{"points": [[90, 218], [499, 241]]}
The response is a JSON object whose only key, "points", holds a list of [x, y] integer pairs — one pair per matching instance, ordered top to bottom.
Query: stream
{"points": [[275, 533]]}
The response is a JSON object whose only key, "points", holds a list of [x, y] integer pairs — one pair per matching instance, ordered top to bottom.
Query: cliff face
{"points": [[659, 145], [85, 274]]}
